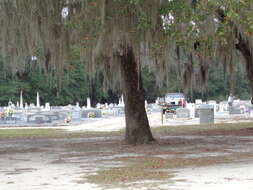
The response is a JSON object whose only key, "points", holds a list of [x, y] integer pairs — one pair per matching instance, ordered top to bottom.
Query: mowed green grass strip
{"points": [[204, 127], [30, 133], [62, 133], [8, 134]]}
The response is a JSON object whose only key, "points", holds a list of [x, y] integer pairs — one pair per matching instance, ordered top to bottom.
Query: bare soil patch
{"points": [[86, 160]]}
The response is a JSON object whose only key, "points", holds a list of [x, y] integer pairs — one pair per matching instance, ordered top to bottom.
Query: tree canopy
{"points": [[188, 33]]}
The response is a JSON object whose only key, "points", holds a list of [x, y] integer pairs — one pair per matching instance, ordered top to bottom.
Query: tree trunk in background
{"points": [[243, 45], [245, 48], [137, 125]]}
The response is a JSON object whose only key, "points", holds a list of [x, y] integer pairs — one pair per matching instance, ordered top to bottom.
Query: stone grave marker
{"points": [[47, 106], [120, 110], [234, 110], [109, 112], [91, 113], [183, 113], [206, 114], [54, 115], [63, 115], [76, 115], [169, 115], [39, 118], [10, 120]]}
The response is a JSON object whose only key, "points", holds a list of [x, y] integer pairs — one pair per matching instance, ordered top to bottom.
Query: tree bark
{"points": [[243, 45], [245, 48], [137, 125]]}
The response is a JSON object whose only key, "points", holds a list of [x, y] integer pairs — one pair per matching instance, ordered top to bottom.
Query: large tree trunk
{"points": [[137, 125]]}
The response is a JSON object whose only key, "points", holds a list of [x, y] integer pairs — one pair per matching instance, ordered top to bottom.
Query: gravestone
{"points": [[198, 101], [214, 104], [47, 106], [98, 106], [191, 107], [155, 108], [119, 110], [197, 110], [234, 110], [109, 112], [91, 113], [183, 113], [206, 114], [63, 115], [76, 115], [169, 115], [18, 116], [54, 116], [39, 118], [2, 120], [8, 120]]}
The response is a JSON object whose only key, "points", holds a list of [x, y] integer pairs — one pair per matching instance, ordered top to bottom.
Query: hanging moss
{"points": [[101, 30]]}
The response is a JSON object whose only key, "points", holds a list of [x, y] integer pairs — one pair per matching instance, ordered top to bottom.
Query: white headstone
{"points": [[198, 101], [47, 106], [77, 106], [191, 107], [183, 113]]}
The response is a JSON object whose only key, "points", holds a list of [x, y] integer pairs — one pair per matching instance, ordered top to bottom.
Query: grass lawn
{"points": [[62, 133]]}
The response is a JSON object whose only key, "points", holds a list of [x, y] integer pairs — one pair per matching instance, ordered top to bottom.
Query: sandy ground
{"points": [[60, 164], [224, 176]]}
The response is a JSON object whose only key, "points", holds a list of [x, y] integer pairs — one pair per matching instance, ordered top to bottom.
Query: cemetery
{"points": [[210, 112]]}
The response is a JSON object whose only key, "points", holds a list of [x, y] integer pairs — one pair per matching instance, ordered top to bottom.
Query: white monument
{"points": [[38, 100], [88, 103], [21, 104]]}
